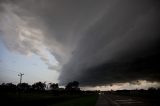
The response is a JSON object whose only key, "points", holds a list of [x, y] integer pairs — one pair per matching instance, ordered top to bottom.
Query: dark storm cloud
{"points": [[96, 42], [122, 46]]}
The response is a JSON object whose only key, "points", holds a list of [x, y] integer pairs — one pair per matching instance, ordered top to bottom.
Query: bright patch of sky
{"points": [[34, 69], [139, 84]]}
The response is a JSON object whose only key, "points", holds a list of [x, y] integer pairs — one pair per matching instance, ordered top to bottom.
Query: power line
{"points": [[20, 74]]}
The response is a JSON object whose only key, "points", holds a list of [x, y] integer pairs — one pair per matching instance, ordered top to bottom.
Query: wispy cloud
{"points": [[20, 37]]}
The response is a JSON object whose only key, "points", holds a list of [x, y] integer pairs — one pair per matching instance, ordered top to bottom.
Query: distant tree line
{"points": [[71, 87]]}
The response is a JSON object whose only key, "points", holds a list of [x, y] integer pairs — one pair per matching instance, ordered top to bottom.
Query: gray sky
{"points": [[96, 42]]}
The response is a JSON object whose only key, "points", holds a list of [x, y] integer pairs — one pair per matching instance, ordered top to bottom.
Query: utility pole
{"points": [[20, 74]]}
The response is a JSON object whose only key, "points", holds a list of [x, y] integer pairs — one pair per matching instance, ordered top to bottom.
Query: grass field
{"points": [[12, 99], [81, 101]]}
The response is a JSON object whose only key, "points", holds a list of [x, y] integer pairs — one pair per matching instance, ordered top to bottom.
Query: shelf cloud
{"points": [[96, 42]]}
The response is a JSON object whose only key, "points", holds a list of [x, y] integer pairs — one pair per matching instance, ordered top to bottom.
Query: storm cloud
{"points": [[96, 42]]}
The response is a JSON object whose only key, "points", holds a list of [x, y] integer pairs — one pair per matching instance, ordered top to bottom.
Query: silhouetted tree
{"points": [[23, 86], [39, 86], [54, 86], [72, 86], [8, 87]]}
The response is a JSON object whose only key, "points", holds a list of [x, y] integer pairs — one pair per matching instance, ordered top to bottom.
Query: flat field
{"points": [[46, 99]]}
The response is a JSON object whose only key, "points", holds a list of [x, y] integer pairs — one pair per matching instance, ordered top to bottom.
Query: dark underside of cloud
{"points": [[97, 42], [122, 46], [140, 65], [139, 68]]}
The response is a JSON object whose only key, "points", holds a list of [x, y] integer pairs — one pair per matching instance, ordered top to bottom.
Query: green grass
{"points": [[44, 99], [81, 101]]}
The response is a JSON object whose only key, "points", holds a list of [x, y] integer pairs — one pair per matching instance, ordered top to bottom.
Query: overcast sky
{"points": [[95, 42]]}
